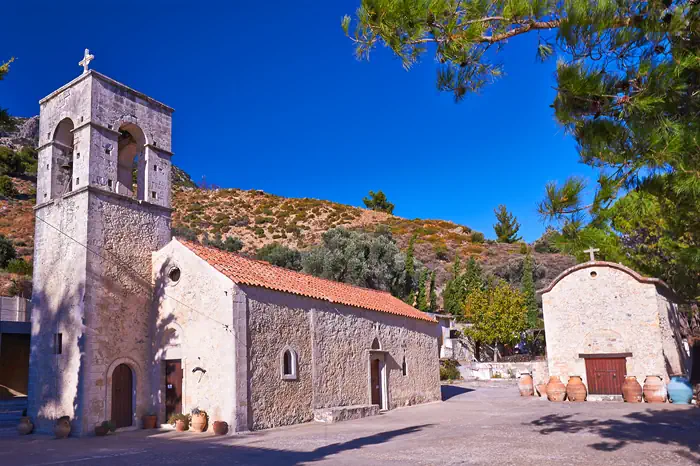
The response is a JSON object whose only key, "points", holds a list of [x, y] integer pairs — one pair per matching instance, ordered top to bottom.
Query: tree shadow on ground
{"points": [[450, 391], [675, 428]]}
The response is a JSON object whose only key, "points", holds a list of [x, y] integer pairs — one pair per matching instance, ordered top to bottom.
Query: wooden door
{"points": [[605, 375], [376, 382], [173, 388], [122, 394]]}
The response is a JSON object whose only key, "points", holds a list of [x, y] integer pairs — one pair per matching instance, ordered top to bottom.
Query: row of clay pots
{"points": [[654, 390]]}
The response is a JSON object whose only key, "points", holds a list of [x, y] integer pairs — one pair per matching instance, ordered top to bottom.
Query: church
{"points": [[129, 321]]}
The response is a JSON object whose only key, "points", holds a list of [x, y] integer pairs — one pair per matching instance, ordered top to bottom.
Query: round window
{"points": [[174, 274], [594, 274]]}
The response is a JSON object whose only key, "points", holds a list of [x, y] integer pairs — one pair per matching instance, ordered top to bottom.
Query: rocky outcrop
{"points": [[26, 133]]}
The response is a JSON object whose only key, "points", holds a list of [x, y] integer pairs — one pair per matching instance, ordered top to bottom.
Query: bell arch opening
{"points": [[62, 159], [131, 164]]}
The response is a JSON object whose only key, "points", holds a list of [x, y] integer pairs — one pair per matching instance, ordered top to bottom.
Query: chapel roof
{"points": [[251, 272], [640, 278]]}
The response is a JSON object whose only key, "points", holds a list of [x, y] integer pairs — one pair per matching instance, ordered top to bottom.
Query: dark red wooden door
{"points": [[605, 375], [375, 380], [173, 388], [122, 392]]}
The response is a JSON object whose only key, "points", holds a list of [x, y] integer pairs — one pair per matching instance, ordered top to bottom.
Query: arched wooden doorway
{"points": [[122, 396]]}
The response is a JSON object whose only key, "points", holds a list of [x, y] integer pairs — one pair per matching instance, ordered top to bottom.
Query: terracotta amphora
{"points": [[525, 385], [575, 389], [654, 389], [542, 390], [556, 390], [631, 390], [199, 422], [25, 426], [62, 427], [220, 427]]}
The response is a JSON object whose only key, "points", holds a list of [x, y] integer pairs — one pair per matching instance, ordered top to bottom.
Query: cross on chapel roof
{"points": [[85, 62], [592, 252]]}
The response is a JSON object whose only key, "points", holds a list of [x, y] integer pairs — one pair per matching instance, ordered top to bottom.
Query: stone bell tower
{"points": [[103, 206]]}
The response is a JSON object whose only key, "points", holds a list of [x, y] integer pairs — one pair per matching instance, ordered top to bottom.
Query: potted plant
{"points": [[149, 420], [199, 420], [180, 421], [62, 427], [105, 428]]}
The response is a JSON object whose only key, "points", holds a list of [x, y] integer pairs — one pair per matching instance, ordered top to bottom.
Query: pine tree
{"points": [[6, 121], [378, 201], [507, 226], [528, 289], [433, 293], [422, 298]]}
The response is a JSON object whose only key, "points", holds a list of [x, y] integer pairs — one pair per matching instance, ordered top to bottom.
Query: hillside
{"points": [[260, 218]]}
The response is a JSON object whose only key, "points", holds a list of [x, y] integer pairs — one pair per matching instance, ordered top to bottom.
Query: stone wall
{"points": [[58, 307], [604, 309], [192, 315], [332, 343], [505, 370]]}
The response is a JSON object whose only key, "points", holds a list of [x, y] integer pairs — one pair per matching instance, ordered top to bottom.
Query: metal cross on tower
{"points": [[85, 62], [592, 252]]}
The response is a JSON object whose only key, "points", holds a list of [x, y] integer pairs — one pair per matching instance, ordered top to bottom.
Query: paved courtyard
{"points": [[478, 423]]}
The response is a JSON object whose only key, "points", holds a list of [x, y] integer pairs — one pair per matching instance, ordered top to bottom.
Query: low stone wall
{"points": [[505, 370], [345, 413]]}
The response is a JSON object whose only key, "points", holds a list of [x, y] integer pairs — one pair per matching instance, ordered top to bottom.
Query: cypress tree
{"points": [[410, 271], [528, 289], [433, 293], [452, 296], [422, 299]]}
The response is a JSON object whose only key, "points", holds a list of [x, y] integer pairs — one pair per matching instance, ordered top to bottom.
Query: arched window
{"points": [[62, 163], [131, 165], [375, 344], [288, 364], [404, 368]]}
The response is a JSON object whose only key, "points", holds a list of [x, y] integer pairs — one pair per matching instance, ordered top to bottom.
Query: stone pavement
{"points": [[478, 423]]}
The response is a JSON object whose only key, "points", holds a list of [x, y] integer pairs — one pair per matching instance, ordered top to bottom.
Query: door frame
{"points": [[378, 355], [587, 356], [135, 380], [165, 387]]}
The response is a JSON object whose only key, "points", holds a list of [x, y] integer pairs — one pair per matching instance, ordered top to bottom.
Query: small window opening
{"points": [[107, 151], [77, 155], [47, 166], [155, 168], [77, 181], [109, 184], [153, 194], [174, 274], [594, 274], [57, 343], [375, 344], [289, 365], [404, 369]]}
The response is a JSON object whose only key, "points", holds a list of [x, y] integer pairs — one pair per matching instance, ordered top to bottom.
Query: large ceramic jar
{"points": [[525, 385], [575, 389], [654, 389], [556, 390], [631, 390], [679, 390], [149, 421], [25, 426], [62, 427], [220, 427]]}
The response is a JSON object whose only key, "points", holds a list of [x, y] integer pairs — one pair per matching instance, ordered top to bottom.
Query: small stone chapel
{"points": [[128, 320], [604, 321]]}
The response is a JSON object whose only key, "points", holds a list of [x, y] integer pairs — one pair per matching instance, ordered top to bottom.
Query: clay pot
{"points": [[525, 385], [542, 389], [575, 389], [654, 389], [556, 390], [631, 390], [679, 390], [149, 421], [199, 422], [181, 425], [25, 426], [62, 428], [220, 428], [101, 431]]}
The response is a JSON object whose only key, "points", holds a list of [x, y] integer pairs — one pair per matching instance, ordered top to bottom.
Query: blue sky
{"points": [[268, 95]]}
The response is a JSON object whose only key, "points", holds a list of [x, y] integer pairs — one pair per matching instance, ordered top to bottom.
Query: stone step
{"points": [[344, 413]]}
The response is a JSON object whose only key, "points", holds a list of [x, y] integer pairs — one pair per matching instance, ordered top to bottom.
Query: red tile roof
{"points": [[252, 272]]}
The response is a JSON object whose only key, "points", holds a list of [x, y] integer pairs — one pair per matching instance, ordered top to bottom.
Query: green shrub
{"points": [[7, 188], [259, 232], [184, 233], [477, 237], [523, 248], [7, 251], [440, 251], [280, 255], [19, 266], [448, 370]]}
